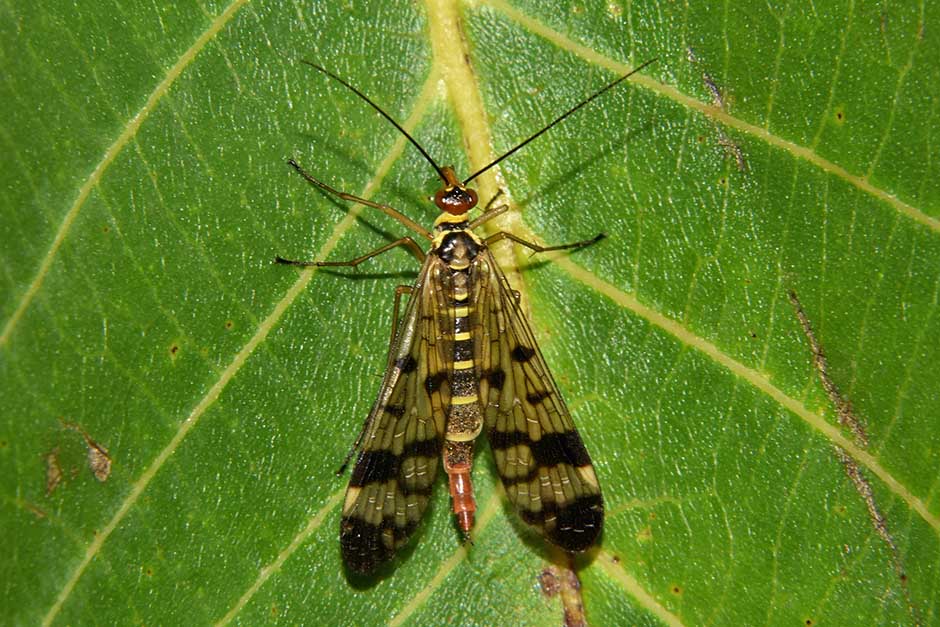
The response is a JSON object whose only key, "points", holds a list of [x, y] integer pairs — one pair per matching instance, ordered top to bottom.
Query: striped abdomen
{"points": [[464, 416]]}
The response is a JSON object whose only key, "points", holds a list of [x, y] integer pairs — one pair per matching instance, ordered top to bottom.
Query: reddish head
{"points": [[454, 198]]}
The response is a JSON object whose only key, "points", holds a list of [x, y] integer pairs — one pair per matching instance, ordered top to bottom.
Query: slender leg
{"points": [[389, 211], [489, 212], [495, 237], [352, 263], [401, 289]]}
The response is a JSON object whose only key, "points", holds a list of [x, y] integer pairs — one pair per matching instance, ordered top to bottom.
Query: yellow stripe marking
{"points": [[450, 218], [461, 312], [462, 336], [464, 364], [464, 400], [463, 436], [351, 495]]}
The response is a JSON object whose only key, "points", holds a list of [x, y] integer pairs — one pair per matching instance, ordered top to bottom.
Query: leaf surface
{"points": [[769, 149]]}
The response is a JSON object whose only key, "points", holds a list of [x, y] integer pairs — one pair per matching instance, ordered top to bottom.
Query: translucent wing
{"points": [[401, 447], [539, 455]]}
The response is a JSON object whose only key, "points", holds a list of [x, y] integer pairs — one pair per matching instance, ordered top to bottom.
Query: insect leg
{"points": [[389, 211], [489, 212], [495, 237], [352, 263]]}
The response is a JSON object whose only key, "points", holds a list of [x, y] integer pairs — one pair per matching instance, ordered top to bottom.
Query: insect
{"points": [[463, 359]]}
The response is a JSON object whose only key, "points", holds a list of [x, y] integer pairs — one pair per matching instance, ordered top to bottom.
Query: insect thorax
{"points": [[457, 249]]}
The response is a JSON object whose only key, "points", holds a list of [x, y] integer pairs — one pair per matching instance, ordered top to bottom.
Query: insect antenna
{"points": [[561, 117], [414, 142]]}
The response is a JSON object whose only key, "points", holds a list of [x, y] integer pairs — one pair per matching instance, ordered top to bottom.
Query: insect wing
{"points": [[540, 457], [392, 479]]}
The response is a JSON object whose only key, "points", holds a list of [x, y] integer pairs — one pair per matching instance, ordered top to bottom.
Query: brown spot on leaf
{"points": [[849, 420], [98, 458], [99, 461], [53, 471], [36, 511], [548, 582]]}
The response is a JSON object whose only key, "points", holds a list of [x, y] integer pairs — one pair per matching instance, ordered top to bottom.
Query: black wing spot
{"points": [[522, 353], [406, 364], [495, 378], [434, 382], [534, 398], [395, 410], [501, 440], [423, 448], [560, 448], [377, 466], [577, 525], [365, 545]]}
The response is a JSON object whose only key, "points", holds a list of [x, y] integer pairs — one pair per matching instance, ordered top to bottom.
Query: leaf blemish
{"points": [[53, 471], [549, 583]]}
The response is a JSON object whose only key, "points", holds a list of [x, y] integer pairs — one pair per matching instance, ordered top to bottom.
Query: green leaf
{"points": [[769, 149]]}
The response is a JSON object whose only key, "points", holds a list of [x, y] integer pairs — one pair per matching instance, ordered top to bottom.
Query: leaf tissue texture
{"points": [[144, 327]]}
